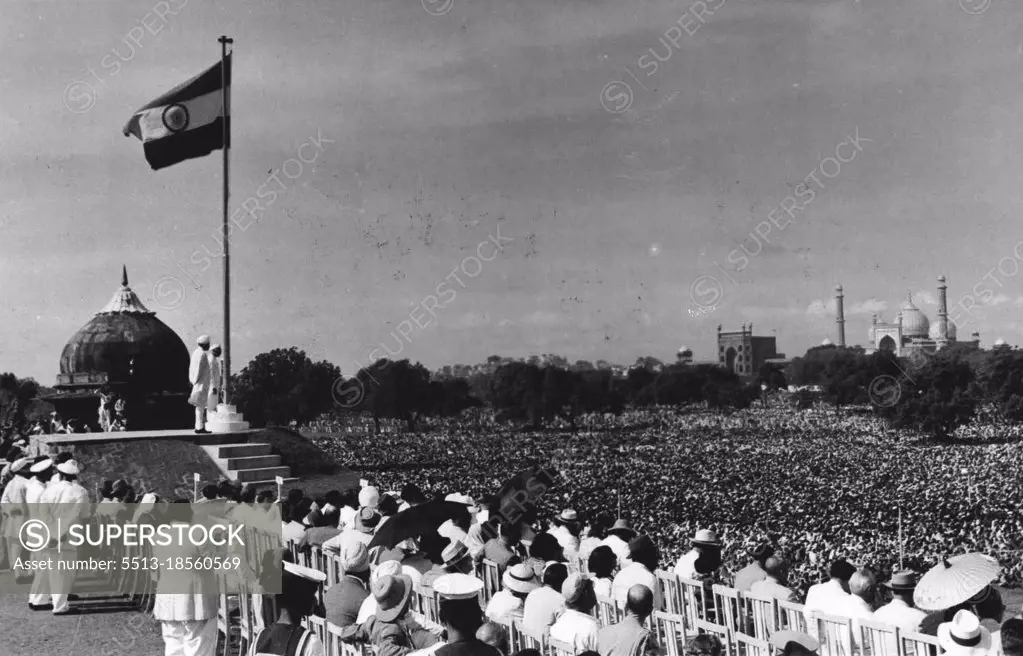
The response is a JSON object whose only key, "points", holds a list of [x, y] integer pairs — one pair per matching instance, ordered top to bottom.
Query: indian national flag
{"points": [[184, 123]]}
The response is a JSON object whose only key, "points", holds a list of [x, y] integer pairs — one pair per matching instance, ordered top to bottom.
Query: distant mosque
{"points": [[911, 331]]}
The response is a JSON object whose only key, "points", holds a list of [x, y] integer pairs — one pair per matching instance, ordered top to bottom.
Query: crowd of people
{"points": [[825, 483]]}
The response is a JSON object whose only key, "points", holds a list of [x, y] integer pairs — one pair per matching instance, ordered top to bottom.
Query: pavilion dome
{"points": [[914, 322], [950, 331], [827, 342], [128, 343], [685, 350]]}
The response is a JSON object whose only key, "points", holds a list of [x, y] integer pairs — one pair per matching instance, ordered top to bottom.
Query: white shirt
{"points": [[33, 491], [292, 531], [347, 536], [569, 543], [620, 547], [686, 566], [635, 574], [602, 587], [827, 597], [543, 606], [501, 607], [856, 609], [367, 610], [898, 613], [576, 629]]}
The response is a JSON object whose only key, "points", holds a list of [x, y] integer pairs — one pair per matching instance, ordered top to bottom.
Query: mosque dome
{"points": [[914, 322], [950, 331], [826, 342], [999, 342], [128, 343], [685, 350]]}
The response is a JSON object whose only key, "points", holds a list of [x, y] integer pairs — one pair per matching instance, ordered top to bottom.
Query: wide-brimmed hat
{"points": [[203, 340], [20, 464], [41, 466], [69, 467], [567, 516], [367, 520], [622, 529], [707, 537], [454, 553], [354, 557], [520, 578], [902, 581], [453, 587], [575, 587], [392, 594], [964, 636], [781, 639]]}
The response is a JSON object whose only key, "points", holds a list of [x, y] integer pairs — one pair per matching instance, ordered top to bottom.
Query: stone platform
{"points": [[166, 461]]}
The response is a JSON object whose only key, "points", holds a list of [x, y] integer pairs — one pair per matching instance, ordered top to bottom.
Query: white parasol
{"points": [[954, 580]]}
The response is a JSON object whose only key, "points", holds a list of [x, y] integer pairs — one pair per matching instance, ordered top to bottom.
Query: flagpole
{"points": [[224, 42], [901, 554]]}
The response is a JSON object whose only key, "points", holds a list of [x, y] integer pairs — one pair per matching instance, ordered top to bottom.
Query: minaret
{"points": [[942, 314], [840, 315]]}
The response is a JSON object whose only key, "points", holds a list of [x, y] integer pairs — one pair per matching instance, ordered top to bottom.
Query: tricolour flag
{"points": [[186, 122]]}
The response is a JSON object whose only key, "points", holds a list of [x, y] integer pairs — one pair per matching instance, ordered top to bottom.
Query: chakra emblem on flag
{"points": [[175, 117]]}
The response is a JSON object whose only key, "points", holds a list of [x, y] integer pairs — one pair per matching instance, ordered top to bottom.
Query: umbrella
{"points": [[523, 489], [418, 520], [954, 580]]}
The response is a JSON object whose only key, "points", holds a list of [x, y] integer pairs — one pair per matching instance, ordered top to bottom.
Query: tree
{"points": [[284, 385], [396, 390], [516, 391], [940, 396]]}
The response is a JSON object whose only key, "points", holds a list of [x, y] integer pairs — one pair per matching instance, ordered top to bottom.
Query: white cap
{"points": [[203, 340], [20, 464], [41, 466], [70, 468], [306, 573], [457, 586]]}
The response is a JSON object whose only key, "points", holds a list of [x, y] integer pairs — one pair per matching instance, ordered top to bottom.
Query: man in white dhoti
{"points": [[199, 376], [216, 376], [67, 501]]}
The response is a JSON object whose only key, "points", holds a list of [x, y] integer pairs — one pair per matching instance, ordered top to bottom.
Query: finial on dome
{"points": [[124, 276], [838, 288]]}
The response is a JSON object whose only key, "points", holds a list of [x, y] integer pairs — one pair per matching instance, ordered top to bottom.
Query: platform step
{"points": [[228, 426], [213, 439], [242, 450], [250, 462], [259, 474]]}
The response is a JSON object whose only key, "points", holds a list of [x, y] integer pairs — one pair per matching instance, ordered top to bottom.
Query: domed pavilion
{"points": [[127, 350]]}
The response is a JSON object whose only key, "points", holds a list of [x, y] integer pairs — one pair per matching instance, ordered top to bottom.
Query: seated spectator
{"points": [[293, 529], [362, 531], [618, 538], [502, 549], [545, 549], [644, 558], [601, 565], [754, 572], [518, 581], [774, 585], [831, 596], [343, 600], [545, 604], [859, 605], [900, 611], [576, 625], [391, 631], [494, 635], [964, 636], [630, 637], [1009, 641], [793, 643], [703, 645]]}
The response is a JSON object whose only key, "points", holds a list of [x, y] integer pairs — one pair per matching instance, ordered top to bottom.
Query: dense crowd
{"points": [[820, 483]]}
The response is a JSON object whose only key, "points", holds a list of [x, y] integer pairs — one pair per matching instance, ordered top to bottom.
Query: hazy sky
{"points": [[439, 125]]}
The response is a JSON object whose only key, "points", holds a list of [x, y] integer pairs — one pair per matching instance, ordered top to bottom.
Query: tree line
{"points": [[935, 393]]}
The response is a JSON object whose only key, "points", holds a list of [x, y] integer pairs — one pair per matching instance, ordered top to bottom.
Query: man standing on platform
{"points": [[216, 374], [199, 376]]}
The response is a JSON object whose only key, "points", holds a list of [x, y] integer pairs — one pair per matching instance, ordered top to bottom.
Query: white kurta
{"points": [[199, 376], [215, 383]]}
